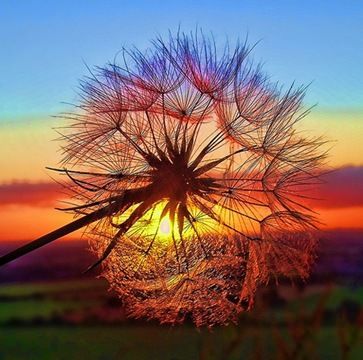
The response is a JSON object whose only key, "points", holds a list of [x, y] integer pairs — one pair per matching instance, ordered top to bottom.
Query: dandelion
{"points": [[186, 167]]}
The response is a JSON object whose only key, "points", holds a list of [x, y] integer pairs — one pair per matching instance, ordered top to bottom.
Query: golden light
{"points": [[154, 222], [150, 224]]}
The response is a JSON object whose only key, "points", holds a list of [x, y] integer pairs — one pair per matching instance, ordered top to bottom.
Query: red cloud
{"points": [[342, 187], [33, 194]]}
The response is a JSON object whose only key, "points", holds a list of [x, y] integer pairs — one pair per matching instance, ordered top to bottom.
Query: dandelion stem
{"points": [[119, 203]]}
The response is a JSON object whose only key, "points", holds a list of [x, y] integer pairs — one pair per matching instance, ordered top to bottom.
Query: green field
{"points": [[82, 320], [152, 342]]}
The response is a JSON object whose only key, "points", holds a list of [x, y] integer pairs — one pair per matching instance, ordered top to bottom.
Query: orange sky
{"points": [[26, 148]]}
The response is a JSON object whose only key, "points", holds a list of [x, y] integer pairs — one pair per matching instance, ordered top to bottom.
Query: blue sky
{"points": [[44, 44]]}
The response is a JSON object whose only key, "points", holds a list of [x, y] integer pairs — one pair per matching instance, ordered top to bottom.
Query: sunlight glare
{"points": [[165, 226]]}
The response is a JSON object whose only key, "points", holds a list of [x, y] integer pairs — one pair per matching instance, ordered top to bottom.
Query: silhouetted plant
{"points": [[187, 168]]}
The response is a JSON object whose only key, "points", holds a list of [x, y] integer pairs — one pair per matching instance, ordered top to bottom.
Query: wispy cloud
{"points": [[343, 187], [42, 194]]}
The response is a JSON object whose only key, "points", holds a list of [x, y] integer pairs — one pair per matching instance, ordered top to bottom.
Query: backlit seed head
{"points": [[196, 156]]}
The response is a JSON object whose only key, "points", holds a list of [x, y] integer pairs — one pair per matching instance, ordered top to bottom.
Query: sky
{"points": [[45, 46]]}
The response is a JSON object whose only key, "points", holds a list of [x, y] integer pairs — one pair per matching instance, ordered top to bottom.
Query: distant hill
{"points": [[340, 255], [339, 259], [60, 260]]}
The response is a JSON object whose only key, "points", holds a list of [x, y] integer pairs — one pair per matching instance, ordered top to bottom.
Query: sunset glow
{"points": [[27, 147], [27, 164], [181, 179], [153, 224]]}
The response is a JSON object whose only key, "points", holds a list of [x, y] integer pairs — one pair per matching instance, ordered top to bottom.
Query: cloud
{"points": [[342, 188], [42, 194]]}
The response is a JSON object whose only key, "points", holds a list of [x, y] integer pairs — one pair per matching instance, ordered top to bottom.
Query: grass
{"points": [[51, 287], [46, 300], [294, 330], [155, 342], [99, 343]]}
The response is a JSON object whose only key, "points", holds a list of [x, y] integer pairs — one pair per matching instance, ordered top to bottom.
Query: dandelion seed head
{"points": [[196, 158]]}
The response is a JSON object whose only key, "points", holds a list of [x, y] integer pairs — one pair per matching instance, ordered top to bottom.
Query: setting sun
{"points": [[165, 226]]}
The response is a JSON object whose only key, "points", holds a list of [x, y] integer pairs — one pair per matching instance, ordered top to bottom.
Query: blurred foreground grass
{"points": [[82, 320], [153, 342]]}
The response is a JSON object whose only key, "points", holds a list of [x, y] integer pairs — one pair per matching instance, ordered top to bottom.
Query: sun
{"points": [[152, 224], [156, 224], [165, 226]]}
